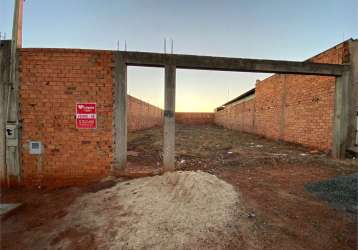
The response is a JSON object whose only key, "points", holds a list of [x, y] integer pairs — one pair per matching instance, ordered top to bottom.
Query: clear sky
{"points": [[271, 29]]}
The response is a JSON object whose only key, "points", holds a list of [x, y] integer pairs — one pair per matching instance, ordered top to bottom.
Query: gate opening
{"points": [[145, 115]]}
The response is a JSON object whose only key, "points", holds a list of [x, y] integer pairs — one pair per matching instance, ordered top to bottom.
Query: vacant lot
{"points": [[276, 211]]}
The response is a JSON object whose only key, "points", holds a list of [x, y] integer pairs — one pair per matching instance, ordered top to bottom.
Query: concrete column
{"points": [[5, 52], [353, 91], [283, 106], [120, 113], [2, 119], [169, 119], [340, 121]]}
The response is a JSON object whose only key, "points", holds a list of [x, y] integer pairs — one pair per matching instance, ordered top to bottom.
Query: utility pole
{"points": [[17, 24], [13, 125]]}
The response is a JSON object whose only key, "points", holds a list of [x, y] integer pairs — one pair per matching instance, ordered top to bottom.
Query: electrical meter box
{"points": [[11, 131], [11, 135], [35, 147]]}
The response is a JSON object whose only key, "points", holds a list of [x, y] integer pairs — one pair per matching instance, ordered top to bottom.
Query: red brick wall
{"points": [[52, 82], [269, 94], [293, 108], [142, 115], [308, 115], [238, 116], [194, 118]]}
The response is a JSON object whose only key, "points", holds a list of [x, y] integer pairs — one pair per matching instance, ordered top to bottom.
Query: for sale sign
{"points": [[86, 115]]}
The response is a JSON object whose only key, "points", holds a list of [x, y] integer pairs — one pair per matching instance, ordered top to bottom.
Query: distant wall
{"points": [[292, 108], [142, 115], [238, 116], [194, 118]]}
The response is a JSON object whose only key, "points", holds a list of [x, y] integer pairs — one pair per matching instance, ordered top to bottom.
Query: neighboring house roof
{"points": [[242, 96]]}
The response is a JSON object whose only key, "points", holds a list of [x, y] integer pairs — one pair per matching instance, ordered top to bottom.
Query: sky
{"points": [[269, 29]]}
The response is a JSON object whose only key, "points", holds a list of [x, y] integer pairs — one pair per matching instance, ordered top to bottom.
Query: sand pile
{"points": [[176, 210]]}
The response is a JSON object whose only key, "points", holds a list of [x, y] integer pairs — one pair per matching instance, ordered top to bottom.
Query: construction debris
{"points": [[172, 211]]}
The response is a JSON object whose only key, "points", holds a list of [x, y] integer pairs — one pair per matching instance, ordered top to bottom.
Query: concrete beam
{"points": [[232, 64], [341, 111], [120, 113], [169, 119]]}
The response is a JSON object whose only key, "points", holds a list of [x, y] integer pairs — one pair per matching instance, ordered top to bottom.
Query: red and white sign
{"points": [[86, 115]]}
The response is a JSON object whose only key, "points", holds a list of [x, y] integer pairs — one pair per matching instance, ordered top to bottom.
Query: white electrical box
{"points": [[11, 131], [11, 135], [35, 147]]}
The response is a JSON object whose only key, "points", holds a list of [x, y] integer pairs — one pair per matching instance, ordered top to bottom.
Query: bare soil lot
{"points": [[276, 211]]}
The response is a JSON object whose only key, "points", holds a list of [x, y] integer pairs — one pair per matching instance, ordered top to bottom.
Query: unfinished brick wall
{"points": [[52, 82], [268, 105], [293, 108], [308, 112], [142, 115], [238, 116], [194, 118]]}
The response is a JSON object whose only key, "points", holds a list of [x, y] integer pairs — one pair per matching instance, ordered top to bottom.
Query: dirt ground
{"points": [[269, 176]]}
